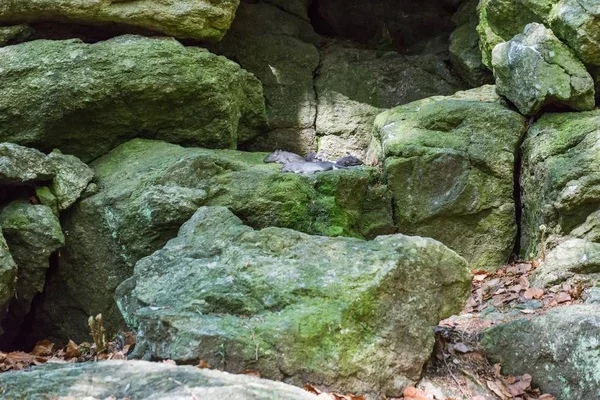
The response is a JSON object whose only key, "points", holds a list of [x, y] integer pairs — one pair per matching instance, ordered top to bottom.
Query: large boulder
{"points": [[198, 19], [575, 22], [279, 48], [465, 54], [535, 69], [354, 85], [85, 99], [449, 162], [19, 164], [559, 179], [147, 189], [33, 233], [342, 313], [560, 350], [140, 380]]}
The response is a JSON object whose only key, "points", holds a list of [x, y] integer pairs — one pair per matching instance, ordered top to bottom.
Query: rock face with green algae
{"points": [[187, 19], [575, 22], [15, 34], [464, 46], [535, 70], [354, 85], [85, 99], [449, 163], [19, 164], [559, 179], [70, 180], [148, 189], [32, 233], [571, 258], [8, 278], [342, 313], [560, 350], [140, 380]]}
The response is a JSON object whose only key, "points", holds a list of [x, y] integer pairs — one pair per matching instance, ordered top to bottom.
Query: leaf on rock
{"points": [[533, 293], [43, 348], [72, 350]]}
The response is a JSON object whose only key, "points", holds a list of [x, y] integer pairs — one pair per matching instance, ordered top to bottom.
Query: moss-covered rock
{"points": [[197, 19], [575, 22], [15, 34], [464, 46], [535, 69], [354, 85], [85, 99], [449, 162], [19, 164], [559, 179], [147, 189], [32, 233], [573, 258], [8, 278], [342, 313], [560, 350], [149, 380]]}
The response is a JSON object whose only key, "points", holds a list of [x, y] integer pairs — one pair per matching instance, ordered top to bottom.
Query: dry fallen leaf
{"points": [[533, 293], [563, 297], [43, 348], [72, 350], [203, 365], [251, 372], [412, 393]]}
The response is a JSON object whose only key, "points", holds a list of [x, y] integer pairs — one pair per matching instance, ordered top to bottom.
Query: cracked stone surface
{"points": [[535, 70]]}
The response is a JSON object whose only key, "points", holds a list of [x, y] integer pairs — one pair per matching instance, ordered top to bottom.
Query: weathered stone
{"points": [[296, 7], [197, 19], [575, 22], [15, 34], [464, 46], [279, 48], [535, 70], [354, 85], [85, 99], [449, 162], [19, 164], [71, 178], [559, 179], [147, 189], [32, 233], [569, 259], [8, 276], [342, 313], [560, 350], [140, 380]]}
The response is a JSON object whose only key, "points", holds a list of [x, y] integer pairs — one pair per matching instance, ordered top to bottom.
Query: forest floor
{"points": [[458, 369]]}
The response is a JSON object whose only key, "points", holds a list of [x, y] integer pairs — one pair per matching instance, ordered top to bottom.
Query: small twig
{"points": [[454, 377]]}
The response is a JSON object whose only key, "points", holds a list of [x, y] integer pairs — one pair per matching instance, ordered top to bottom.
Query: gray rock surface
{"points": [[197, 19], [15, 34], [464, 46], [279, 48], [535, 70], [354, 85], [88, 98], [449, 162], [19, 164], [71, 179], [559, 179], [32, 233], [574, 257], [345, 314], [560, 350], [140, 380]]}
